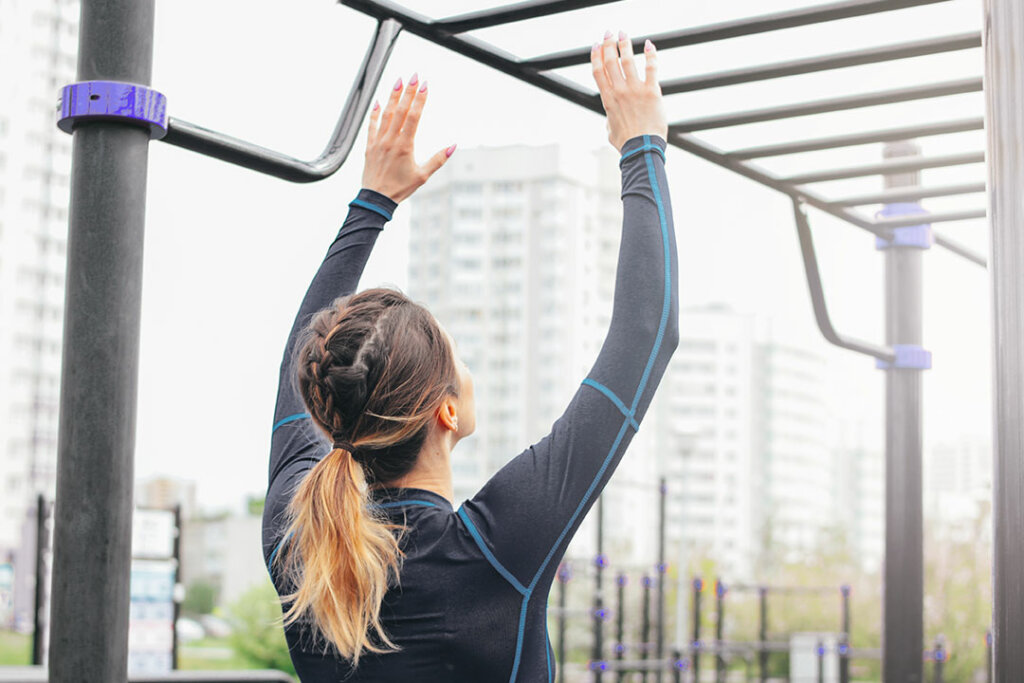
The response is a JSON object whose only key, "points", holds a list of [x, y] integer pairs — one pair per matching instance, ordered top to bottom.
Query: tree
{"points": [[200, 598], [257, 635]]}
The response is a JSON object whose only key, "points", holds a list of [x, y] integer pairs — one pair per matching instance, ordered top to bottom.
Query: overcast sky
{"points": [[229, 252]]}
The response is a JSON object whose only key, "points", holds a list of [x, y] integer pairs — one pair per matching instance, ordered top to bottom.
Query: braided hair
{"points": [[372, 369]]}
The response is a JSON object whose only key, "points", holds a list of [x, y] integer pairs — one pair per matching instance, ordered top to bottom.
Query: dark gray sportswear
{"points": [[472, 600]]}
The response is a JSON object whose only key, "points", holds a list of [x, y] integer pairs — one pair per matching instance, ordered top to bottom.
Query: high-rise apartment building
{"points": [[38, 48], [514, 249]]}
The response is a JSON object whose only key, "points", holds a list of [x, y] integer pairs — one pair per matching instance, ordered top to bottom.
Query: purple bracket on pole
{"points": [[112, 100], [912, 236], [908, 357]]}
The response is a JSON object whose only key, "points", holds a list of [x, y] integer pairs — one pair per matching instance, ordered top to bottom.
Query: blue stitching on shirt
{"points": [[647, 146], [371, 207], [668, 282], [614, 399], [290, 418], [626, 422], [400, 503], [490, 556], [270, 563], [519, 638], [547, 642]]}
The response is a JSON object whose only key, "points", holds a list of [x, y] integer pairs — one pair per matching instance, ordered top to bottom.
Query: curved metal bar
{"points": [[226, 148], [803, 230]]}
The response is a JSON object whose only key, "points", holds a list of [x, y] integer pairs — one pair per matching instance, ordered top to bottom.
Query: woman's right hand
{"points": [[633, 105]]}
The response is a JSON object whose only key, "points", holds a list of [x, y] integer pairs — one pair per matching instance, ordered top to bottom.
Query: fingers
{"points": [[610, 58], [627, 59], [597, 68], [651, 70], [389, 110], [412, 120], [371, 127], [437, 161]]}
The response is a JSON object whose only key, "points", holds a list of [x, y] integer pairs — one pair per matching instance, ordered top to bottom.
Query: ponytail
{"points": [[372, 369], [349, 556]]}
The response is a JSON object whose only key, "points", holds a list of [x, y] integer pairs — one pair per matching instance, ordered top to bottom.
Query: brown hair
{"points": [[372, 369]]}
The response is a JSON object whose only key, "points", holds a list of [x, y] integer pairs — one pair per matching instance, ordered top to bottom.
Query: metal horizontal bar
{"points": [[506, 14], [734, 29], [478, 50], [489, 55], [841, 60], [919, 92], [888, 135], [233, 150], [898, 165], [910, 194], [930, 218], [961, 250], [814, 286]]}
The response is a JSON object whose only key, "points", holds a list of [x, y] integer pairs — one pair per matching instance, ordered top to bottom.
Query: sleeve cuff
{"points": [[636, 146], [375, 201]]}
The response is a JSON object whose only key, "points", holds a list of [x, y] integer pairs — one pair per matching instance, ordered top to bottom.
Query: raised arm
{"points": [[390, 175], [527, 513]]}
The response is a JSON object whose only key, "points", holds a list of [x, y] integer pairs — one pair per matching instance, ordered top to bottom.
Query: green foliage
{"points": [[254, 504], [200, 598], [257, 635], [15, 649]]}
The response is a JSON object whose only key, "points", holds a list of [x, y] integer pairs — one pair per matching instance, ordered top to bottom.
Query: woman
{"points": [[381, 578]]}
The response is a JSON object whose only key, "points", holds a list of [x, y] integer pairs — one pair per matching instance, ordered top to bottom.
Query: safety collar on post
{"points": [[112, 100], [911, 236], [908, 357]]}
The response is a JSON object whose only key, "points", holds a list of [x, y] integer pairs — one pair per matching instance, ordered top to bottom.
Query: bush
{"points": [[257, 635]]}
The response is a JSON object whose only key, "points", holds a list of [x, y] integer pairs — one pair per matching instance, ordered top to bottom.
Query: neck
{"points": [[433, 469]]}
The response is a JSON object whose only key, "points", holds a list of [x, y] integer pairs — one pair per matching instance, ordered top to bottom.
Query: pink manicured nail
{"points": [[607, 35], [622, 35], [648, 45], [414, 79], [398, 83], [423, 88], [376, 105], [448, 152]]}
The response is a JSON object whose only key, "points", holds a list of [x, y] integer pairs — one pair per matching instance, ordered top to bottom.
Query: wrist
{"points": [[375, 201]]}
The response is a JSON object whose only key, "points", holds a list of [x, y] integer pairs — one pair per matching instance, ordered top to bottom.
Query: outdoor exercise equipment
{"points": [[106, 228]]}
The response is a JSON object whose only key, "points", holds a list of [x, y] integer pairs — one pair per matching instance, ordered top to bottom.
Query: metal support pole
{"points": [[1002, 37], [95, 470], [563, 579], [177, 583], [698, 588], [903, 607], [38, 618], [620, 624], [645, 625], [719, 631], [762, 634], [844, 638], [659, 648], [820, 651], [597, 656], [939, 656], [989, 677]]}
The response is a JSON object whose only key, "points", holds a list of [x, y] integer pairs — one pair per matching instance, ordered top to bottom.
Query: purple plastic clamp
{"points": [[115, 101], [912, 236], [908, 357]]}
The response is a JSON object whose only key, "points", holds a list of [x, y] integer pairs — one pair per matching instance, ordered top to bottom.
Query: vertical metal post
{"points": [[1002, 36], [95, 470], [563, 579], [177, 583], [698, 588], [903, 606], [38, 618], [620, 624], [645, 625], [719, 631], [762, 635], [844, 637], [659, 651], [820, 651], [597, 656], [939, 656], [989, 677]]}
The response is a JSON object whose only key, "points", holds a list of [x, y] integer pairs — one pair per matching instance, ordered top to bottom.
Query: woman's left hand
{"points": [[391, 168]]}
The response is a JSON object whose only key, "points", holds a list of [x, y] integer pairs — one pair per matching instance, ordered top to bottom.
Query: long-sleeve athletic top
{"points": [[471, 603]]}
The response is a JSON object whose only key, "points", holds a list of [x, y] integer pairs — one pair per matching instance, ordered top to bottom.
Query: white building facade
{"points": [[38, 48]]}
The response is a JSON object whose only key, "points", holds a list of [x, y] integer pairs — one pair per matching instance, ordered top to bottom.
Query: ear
{"points": [[447, 415]]}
